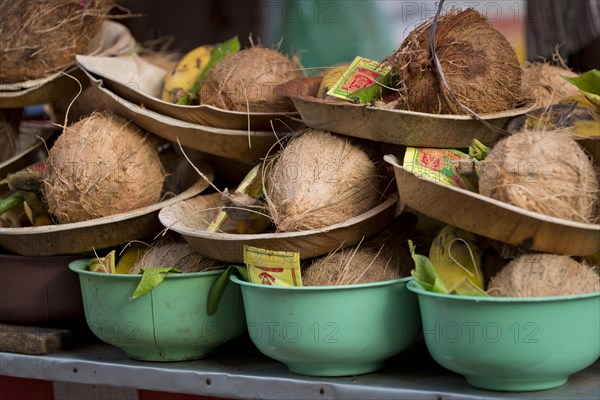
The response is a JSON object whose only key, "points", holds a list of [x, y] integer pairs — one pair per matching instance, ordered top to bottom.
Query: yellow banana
{"points": [[330, 79], [179, 81], [36, 210], [133, 253], [457, 259]]}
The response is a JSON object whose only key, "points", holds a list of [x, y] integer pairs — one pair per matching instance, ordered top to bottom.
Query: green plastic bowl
{"points": [[170, 323], [331, 330], [511, 344]]}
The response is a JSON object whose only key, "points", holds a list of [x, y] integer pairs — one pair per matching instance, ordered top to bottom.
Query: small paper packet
{"points": [[362, 81], [449, 166], [275, 268]]}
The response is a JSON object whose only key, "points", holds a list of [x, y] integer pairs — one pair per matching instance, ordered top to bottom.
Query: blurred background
{"points": [[320, 32], [326, 32]]}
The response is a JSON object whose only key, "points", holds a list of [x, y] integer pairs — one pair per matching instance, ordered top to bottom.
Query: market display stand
{"points": [[239, 371]]}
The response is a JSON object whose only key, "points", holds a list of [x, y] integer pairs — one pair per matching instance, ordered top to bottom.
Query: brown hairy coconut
{"points": [[38, 38], [479, 65], [245, 81], [543, 82], [9, 132], [101, 166], [545, 172], [319, 180], [392, 243], [173, 255], [350, 267], [536, 275]]}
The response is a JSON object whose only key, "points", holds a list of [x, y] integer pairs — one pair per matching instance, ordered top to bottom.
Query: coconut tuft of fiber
{"points": [[39, 38], [478, 64], [245, 81], [543, 82], [9, 132], [101, 166], [545, 172], [318, 180], [392, 243], [173, 255], [350, 267], [537, 275]]}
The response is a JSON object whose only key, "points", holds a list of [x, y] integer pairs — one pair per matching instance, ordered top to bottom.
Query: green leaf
{"points": [[220, 52], [588, 82], [368, 94], [478, 150], [10, 202], [424, 272], [151, 278], [220, 285]]}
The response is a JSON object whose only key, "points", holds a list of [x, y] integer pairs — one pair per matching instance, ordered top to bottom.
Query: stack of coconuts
{"points": [[542, 168], [547, 172]]}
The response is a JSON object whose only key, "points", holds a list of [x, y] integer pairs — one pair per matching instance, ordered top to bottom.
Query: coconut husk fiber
{"points": [[38, 38], [479, 65], [245, 81], [543, 83], [9, 132], [101, 166], [545, 172], [318, 180], [392, 243], [167, 254], [350, 266], [537, 275]]}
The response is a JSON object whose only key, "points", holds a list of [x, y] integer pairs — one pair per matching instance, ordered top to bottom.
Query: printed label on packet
{"points": [[359, 83], [443, 165], [275, 268]]}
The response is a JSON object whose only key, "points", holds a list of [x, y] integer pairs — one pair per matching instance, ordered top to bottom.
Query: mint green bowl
{"points": [[170, 323], [331, 330], [511, 344]]}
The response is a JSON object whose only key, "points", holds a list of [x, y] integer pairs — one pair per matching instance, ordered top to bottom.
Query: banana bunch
{"points": [[330, 79], [180, 81], [182, 84], [457, 260]]}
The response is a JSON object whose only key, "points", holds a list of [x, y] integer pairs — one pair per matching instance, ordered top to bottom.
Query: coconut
{"points": [[38, 38], [478, 63], [245, 81], [544, 83], [9, 132], [101, 166], [543, 171], [319, 180], [392, 243], [173, 255], [350, 267], [536, 275]]}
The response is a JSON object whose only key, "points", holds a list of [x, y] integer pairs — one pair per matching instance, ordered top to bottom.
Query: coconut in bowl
{"points": [[352, 314], [170, 322], [540, 329]]}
